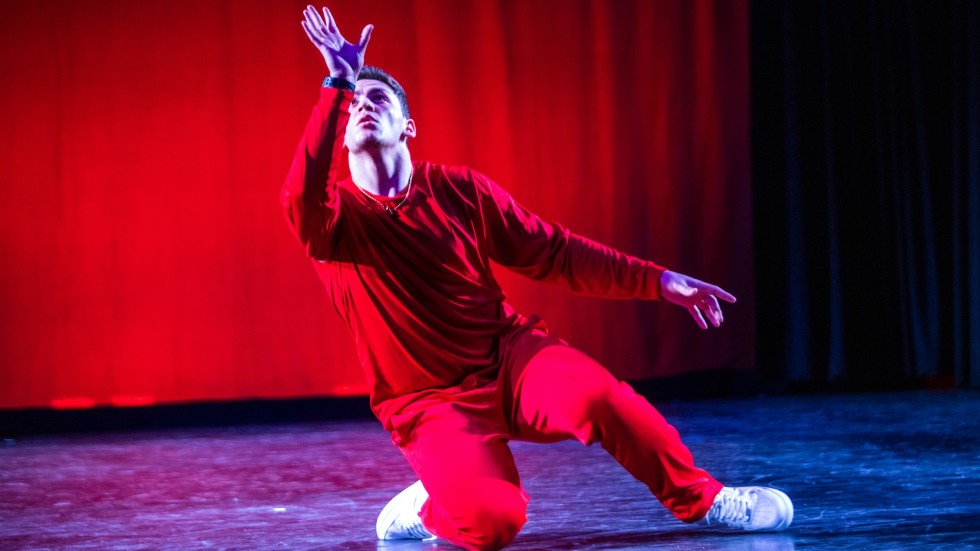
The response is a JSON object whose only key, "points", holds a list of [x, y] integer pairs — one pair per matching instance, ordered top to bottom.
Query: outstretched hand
{"points": [[344, 59], [700, 299]]}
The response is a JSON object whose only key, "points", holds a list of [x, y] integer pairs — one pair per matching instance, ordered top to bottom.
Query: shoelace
{"points": [[731, 508]]}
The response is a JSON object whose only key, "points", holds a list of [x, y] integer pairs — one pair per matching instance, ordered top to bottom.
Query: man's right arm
{"points": [[309, 195]]}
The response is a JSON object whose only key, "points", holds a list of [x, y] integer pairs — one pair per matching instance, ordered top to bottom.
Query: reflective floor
{"points": [[866, 471]]}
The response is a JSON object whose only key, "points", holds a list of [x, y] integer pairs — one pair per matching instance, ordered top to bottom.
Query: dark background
{"points": [[866, 188]]}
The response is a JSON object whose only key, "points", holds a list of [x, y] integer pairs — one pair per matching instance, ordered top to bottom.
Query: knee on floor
{"points": [[491, 518]]}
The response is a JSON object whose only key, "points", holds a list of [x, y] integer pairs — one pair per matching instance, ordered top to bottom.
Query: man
{"points": [[404, 249]]}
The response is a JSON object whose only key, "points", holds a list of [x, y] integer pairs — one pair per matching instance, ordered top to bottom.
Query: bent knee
{"points": [[489, 519], [497, 528]]}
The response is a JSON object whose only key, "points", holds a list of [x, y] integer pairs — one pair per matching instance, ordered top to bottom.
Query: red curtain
{"points": [[145, 258]]}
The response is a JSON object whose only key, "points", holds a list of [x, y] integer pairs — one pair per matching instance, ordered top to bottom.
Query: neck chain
{"points": [[391, 210]]}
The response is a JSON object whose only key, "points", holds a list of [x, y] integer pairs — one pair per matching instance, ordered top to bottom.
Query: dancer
{"points": [[404, 249]]}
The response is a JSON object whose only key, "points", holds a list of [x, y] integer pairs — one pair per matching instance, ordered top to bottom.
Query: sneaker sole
{"points": [[385, 520]]}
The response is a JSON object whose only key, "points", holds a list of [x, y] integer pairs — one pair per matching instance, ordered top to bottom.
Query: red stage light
{"points": [[135, 400], [77, 402]]}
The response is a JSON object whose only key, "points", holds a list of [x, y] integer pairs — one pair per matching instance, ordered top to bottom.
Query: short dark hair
{"points": [[373, 73]]}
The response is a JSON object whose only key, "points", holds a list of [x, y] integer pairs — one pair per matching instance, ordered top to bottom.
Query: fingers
{"points": [[311, 13], [314, 20], [331, 24], [314, 26], [324, 31], [309, 32], [365, 37], [317, 38], [713, 291], [724, 295], [700, 299], [707, 307], [713, 308], [714, 311], [698, 319]]}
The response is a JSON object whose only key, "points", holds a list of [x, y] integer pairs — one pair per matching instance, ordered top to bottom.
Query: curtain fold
{"points": [[865, 152]]}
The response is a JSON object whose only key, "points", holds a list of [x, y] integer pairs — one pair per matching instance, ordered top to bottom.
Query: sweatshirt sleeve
{"points": [[309, 196], [523, 242]]}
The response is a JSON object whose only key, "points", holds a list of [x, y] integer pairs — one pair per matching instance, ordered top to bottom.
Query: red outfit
{"points": [[454, 372]]}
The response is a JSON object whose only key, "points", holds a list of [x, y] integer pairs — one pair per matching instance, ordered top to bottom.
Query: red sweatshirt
{"points": [[417, 289]]}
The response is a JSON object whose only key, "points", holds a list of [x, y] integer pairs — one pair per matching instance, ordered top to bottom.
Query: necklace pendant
{"points": [[391, 212]]}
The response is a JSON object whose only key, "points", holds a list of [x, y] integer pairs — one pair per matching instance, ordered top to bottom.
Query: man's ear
{"points": [[409, 131]]}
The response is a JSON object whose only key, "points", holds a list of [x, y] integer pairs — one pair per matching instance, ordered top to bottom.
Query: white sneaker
{"points": [[751, 508], [399, 520]]}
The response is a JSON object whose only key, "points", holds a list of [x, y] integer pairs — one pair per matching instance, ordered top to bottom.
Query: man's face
{"points": [[376, 117]]}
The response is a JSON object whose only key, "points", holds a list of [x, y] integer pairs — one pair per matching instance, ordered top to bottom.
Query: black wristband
{"points": [[334, 82]]}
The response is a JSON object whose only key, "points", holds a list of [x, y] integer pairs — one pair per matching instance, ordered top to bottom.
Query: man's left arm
{"points": [[527, 244]]}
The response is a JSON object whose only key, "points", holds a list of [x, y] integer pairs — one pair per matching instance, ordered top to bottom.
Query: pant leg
{"points": [[562, 393], [475, 496]]}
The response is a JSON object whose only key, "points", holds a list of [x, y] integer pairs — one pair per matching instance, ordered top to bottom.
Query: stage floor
{"points": [[866, 471]]}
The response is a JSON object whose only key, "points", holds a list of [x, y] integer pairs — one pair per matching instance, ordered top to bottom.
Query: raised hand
{"points": [[344, 60], [700, 299]]}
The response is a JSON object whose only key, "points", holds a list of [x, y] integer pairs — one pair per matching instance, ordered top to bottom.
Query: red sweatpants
{"points": [[456, 440]]}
